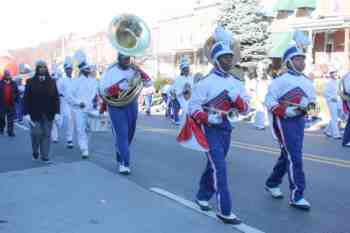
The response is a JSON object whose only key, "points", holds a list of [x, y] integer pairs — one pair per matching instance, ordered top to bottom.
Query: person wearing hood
{"points": [[9, 95], [41, 108]]}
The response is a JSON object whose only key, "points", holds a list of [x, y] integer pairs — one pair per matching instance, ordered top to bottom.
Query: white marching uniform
{"points": [[178, 87], [82, 90], [331, 95], [260, 115], [66, 121]]}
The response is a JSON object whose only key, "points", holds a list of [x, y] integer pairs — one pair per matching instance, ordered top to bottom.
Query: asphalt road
{"points": [[159, 162]]}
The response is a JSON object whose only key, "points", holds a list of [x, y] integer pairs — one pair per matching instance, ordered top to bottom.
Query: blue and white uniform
{"points": [[292, 88], [346, 89], [223, 92], [124, 118]]}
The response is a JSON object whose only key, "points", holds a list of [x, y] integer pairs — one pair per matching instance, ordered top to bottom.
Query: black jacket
{"points": [[15, 93], [41, 99]]}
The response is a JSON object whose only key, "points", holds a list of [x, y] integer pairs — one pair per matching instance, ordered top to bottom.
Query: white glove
{"points": [[124, 85], [304, 102], [292, 111], [57, 117], [214, 118], [28, 120]]}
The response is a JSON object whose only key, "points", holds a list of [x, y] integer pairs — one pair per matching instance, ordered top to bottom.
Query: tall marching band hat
{"points": [[300, 42], [220, 43], [81, 58], [68, 62], [184, 63]]}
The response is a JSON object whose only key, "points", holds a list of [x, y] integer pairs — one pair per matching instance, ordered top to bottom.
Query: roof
{"points": [[291, 5]]}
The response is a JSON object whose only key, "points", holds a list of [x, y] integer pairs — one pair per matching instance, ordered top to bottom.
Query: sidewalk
{"points": [[81, 197]]}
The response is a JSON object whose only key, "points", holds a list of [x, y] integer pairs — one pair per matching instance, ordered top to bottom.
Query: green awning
{"points": [[305, 3], [285, 5], [280, 42]]}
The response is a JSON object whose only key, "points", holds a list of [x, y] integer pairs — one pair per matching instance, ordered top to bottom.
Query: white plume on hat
{"points": [[220, 34], [301, 39]]}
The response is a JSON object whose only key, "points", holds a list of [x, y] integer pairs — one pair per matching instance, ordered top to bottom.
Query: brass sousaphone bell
{"points": [[129, 35]]}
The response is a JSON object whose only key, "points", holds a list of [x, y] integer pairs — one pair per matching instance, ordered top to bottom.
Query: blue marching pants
{"points": [[148, 101], [175, 108], [124, 125], [290, 133], [346, 136], [214, 178]]}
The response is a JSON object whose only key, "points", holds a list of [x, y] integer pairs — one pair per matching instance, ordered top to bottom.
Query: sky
{"points": [[28, 22]]}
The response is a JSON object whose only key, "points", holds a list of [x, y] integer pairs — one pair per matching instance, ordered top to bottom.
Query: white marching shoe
{"points": [[85, 154], [124, 170], [275, 192], [301, 204], [203, 205], [231, 219]]}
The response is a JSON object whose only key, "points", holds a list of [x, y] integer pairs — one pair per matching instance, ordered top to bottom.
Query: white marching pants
{"points": [[184, 109], [260, 116], [67, 121], [80, 123], [332, 128]]}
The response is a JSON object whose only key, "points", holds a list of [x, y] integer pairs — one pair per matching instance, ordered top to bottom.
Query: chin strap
{"points": [[292, 68]]}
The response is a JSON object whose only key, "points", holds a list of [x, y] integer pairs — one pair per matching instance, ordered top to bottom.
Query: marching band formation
{"points": [[204, 107]]}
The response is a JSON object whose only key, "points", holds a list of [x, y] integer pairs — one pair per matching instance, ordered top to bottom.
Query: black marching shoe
{"points": [[11, 134], [70, 145], [35, 157], [46, 160], [232, 219]]}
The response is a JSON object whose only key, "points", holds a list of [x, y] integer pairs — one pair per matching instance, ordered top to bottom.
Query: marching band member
{"points": [[114, 81], [63, 85], [182, 87], [221, 91], [148, 93], [81, 94], [331, 95], [166, 97], [288, 97], [346, 104], [56, 124]]}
